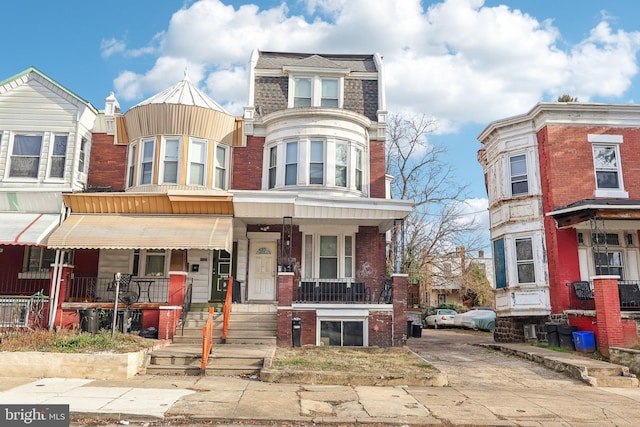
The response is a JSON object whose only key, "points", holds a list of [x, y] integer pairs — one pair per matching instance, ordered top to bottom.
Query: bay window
{"points": [[25, 156], [58, 156], [82, 156], [171, 161], [197, 162], [146, 163], [273, 163], [316, 163], [131, 165], [341, 165], [221, 167], [291, 167], [358, 169], [519, 180], [524, 260]]}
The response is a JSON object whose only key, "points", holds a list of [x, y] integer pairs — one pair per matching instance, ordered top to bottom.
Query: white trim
{"points": [[604, 139], [143, 143], [163, 147], [205, 174]]}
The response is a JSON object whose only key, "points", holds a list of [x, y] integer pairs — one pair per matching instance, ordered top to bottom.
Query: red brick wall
{"points": [[108, 163], [247, 165], [377, 169], [371, 257], [563, 264], [381, 329]]}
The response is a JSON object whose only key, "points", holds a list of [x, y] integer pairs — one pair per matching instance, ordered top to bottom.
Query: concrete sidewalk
{"points": [[174, 400]]}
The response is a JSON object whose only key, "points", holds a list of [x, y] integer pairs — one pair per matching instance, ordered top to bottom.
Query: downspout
{"points": [[57, 277]]}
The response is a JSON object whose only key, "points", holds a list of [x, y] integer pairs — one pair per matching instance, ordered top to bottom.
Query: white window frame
{"points": [[316, 81], [608, 141], [82, 155], [10, 156], [53, 156], [164, 160], [142, 162], [312, 162], [288, 163], [131, 165], [224, 167], [205, 172], [272, 175], [518, 178], [313, 238], [146, 254], [519, 262], [343, 316]]}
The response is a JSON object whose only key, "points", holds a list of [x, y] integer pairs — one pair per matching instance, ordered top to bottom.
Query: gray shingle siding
{"points": [[271, 94]]}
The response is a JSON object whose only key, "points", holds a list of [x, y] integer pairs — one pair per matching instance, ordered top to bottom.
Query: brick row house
{"points": [[291, 200], [564, 207]]}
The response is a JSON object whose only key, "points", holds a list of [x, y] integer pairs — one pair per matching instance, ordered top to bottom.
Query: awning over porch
{"points": [[588, 209], [22, 228], [102, 231]]}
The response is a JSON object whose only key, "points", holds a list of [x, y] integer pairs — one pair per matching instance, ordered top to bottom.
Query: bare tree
{"points": [[438, 224]]}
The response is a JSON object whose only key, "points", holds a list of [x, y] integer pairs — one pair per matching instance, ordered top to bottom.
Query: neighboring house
{"points": [[45, 141], [291, 200], [564, 203], [446, 280]]}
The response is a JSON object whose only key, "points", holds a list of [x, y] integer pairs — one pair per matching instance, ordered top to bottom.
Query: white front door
{"points": [[262, 271]]}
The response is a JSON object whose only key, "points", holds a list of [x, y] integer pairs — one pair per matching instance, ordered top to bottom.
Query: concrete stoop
{"points": [[593, 372]]}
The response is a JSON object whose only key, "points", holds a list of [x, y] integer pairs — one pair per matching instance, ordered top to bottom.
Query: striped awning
{"points": [[21, 228], [100, 231]]}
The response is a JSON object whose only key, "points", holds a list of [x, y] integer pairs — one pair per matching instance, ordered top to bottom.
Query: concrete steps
{"points": [[250, 338]]}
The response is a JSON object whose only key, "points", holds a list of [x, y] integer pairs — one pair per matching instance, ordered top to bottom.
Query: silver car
{"points": [[443, 317]]}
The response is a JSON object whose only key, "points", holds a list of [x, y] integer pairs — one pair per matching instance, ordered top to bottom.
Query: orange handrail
{"points": [[226, 310], [207, 340]]}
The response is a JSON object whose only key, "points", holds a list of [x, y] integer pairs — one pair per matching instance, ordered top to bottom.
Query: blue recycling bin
{"points": [[584, 341]]}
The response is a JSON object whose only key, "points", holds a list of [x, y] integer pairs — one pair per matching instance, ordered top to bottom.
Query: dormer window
{"points": [[315, 91]]}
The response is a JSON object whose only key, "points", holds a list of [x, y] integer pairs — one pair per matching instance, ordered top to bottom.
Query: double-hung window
{"points": [[315, 91], [302, 92], [330, 93], [25, 156], [58, 156], [82, 156], [171, 161], [197, 162], [146, 163], [316, 163], [131, 165], [341, 165], [607, 165], [273, 166], [221, 167], [291, 167], [358, 169], [519, 181], [328, 257], [332, 258], [37, 259], [524, 260], [154, 262]]}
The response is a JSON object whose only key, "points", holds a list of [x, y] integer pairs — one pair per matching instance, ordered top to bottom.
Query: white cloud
{"points": [[112, 46], [457, 60]]}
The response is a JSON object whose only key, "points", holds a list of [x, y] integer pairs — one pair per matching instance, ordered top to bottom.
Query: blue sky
{"points": [[463, 62]]}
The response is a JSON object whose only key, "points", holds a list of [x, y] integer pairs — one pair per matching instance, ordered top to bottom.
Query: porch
{"points": [[581, 295]]}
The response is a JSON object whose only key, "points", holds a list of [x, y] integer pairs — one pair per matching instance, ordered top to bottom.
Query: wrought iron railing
{"points": [[24, 284], [138, 290], [345, 290], [629, 292], [582, 295], [186, 304], [24, 312]]}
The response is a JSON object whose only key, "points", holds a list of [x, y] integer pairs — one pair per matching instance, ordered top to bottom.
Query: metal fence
{"points": [[24, 284], [139, 289], [331, 291], [582, 296], [24, 312]]}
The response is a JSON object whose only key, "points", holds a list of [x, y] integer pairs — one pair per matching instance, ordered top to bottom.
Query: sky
{"points": [[463, 63]]}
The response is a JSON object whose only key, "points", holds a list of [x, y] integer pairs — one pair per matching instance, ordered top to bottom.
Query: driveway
{"points": [[486, 385]]}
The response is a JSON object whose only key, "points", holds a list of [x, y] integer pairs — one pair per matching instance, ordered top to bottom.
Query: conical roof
{"points": [[185, 93]]}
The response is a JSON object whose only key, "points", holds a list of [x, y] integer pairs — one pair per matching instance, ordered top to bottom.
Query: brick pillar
{"points": [[66, 272], [177, 287], [285, 299], [607, 299], [399, 308], [168, 321]]}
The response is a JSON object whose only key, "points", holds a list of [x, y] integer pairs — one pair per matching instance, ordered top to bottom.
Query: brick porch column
{"points": [[65, 281], [177, 287], [285, 299], [399, 308], [168, 321], [609, 322]]}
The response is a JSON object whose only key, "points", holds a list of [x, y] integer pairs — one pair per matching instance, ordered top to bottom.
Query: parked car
{"points": [[442, 317], [482, 318]]}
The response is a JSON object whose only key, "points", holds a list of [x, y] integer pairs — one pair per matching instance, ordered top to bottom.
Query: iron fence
{"points": [[24, 284], [138, 289], [331, 291], [582, 295], [24, 312]]}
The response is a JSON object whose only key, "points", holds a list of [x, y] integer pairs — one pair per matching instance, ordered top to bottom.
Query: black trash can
{"points": [[235, 292], [89, 320], [124, 321], [409, 328], [296, 331], [417, 331], [565, 333], [552, 334]]}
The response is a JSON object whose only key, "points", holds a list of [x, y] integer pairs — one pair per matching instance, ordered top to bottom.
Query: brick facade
{"points": [[108, 163], [247, 165], [377, 170], [371, 257]]}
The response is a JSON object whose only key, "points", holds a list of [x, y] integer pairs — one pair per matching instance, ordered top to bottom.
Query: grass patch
{"points": [[67, 341], [548, 347], [395, 361]]}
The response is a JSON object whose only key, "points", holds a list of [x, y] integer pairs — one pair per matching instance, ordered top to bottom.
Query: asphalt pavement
{"points": [[486, 388]]}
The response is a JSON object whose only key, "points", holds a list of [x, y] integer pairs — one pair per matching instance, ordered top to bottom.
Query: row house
{"points": [[291, 201], [564, 204]]}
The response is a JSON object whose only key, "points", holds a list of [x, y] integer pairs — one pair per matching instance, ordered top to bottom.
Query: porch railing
{"points": [[24, 284], [102, 289], [345, 290], [582, 297], [24, 312]]}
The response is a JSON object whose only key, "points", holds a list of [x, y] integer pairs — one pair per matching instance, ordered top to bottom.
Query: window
{"points": [[302, 92], [330, 93], [25, 156], [58, 156], [82, 156], [171, 161], [197, 162], [132, 163], [273, 164], [316, 164], [146, 165], [341, 165], [606, 166], [221, 167], [291, 168], [358, 170], [519, 183], [605, 238], [348, 256], [328, 257], [38, 259], [524, 261], [154, 262], [609, 263], [499, 264], [442, 299], [342, 332]]}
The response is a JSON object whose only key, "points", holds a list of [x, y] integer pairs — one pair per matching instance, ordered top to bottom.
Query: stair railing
{"points": [[226, 310], [207, 340]]}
